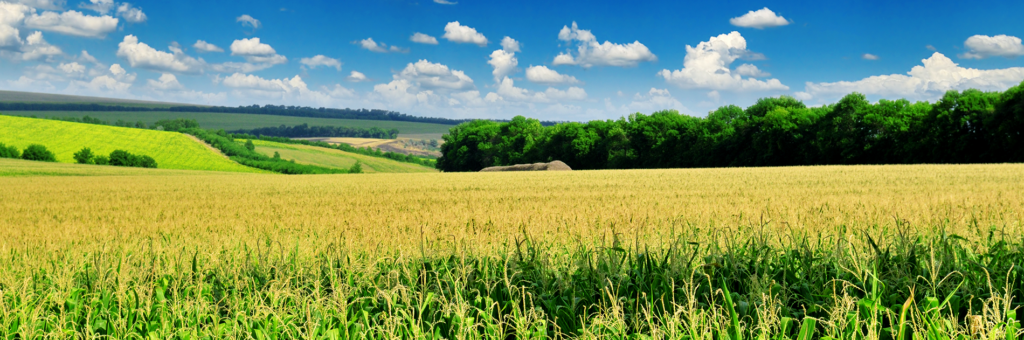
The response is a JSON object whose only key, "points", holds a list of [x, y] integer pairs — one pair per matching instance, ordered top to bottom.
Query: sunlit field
{"points": [[850, 252]]}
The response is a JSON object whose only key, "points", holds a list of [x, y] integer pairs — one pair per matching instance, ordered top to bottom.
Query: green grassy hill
{"points": [[235, 121], [171, 150], [331, 158]]}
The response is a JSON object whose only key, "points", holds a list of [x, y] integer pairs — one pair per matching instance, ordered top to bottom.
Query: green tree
{"points": [[249, 145], [9, 151], [36, 152], [277, 155], [84, 156], [101, 160], [356, 168]]}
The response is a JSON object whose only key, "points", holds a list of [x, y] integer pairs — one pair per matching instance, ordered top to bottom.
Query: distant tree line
{"points": [[275, 110], [962, 127], [304, 130], [347, 148]]}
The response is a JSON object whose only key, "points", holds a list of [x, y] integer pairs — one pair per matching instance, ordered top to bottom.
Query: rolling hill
{"points": [[33, 97], [236, 121], [171, 150], [331, 158]]}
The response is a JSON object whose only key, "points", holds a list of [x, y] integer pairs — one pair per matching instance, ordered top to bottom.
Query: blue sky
{"points": [[578, 60]]}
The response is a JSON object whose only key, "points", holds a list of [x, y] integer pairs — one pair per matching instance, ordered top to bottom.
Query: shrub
{"points": [[249, 145], [9, 151], [36, 152], [84, 156], [124, 158], [101, 160], [356, 168]]}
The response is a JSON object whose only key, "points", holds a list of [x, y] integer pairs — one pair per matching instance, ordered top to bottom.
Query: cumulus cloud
{"points": [[42, 4], [99, 6], [130, 13], [759, 19], [248, 20], [73, 23], [458, 33], [10, 37], [421, 38], [509, 45], [203, 46], [374, 46], [983, 46], [35, 48], [255, 51], [591, 53], [141, 55], [868, 56], [320, 60], [504, 63], [707, 67], [72, 68], [752, 71], [543, 75], [356, 76], [435, 76], [928, 81], [166, 82], [422, 84], [102, 85], [508, 92], [655, 99]]}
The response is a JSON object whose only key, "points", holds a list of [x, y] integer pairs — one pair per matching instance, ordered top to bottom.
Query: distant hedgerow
{"points": [[9, 151]]}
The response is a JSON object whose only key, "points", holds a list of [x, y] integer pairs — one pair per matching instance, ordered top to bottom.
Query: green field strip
{"points": [[313, 155]]}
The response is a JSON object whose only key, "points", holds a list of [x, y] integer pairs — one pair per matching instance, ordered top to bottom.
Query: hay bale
{"points": [[552, 166]]}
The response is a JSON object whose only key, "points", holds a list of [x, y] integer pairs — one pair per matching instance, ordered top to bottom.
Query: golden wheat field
{"points": [[523, 255]]}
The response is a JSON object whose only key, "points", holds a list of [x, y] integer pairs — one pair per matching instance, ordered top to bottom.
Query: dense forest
{"points": [[962, 127], [304, 130]]}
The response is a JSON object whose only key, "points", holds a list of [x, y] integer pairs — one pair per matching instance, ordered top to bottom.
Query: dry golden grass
{"points": [[481, 210]]}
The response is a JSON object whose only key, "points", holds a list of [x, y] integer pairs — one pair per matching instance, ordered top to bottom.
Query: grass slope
{"points": [[235, 121], [171, 150], [305, 154], [23, 168]]}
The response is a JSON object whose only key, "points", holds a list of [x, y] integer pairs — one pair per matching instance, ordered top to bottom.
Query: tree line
{"points": [[962, 127], [304, 130], [344, 147]]}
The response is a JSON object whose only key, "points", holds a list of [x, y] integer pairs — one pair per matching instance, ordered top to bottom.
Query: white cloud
{"points": [[445, 2], [43, 4], [100, 6], [130, 13], [11, 14], [246, 19], [759, 19], [73, 23], [458, 33], [10, 37], [423, 39], [509, 45], [203, 46], [374, 46], [983, 46], [36, 48], [931, 48], [255, 51], [591, 53], [142, 55], [868, 56], [86, 57], [321, 60], [504, 63], [72, 67], [235, 67], [707, 67], [117, 70], [752, 71], [543, 75], [356, 76], [434, 76], [929, 81], [166, 82], [252, 82], [102, 85], [508, 92], [654, 100]]}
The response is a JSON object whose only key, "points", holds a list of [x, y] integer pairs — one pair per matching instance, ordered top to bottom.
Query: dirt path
{"points": [[208, 146]]}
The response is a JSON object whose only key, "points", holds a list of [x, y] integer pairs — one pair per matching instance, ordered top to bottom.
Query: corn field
{"points": [[836, 252]]}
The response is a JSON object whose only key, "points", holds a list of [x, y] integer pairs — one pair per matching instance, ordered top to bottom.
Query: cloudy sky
{"points": [[568, 60]]}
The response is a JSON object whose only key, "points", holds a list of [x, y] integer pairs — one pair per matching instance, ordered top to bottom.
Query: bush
{"points": [[249, 145], [9, 151], [36, 152], [84, 156], [124, 158], [101, 160], [356, 168]]}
